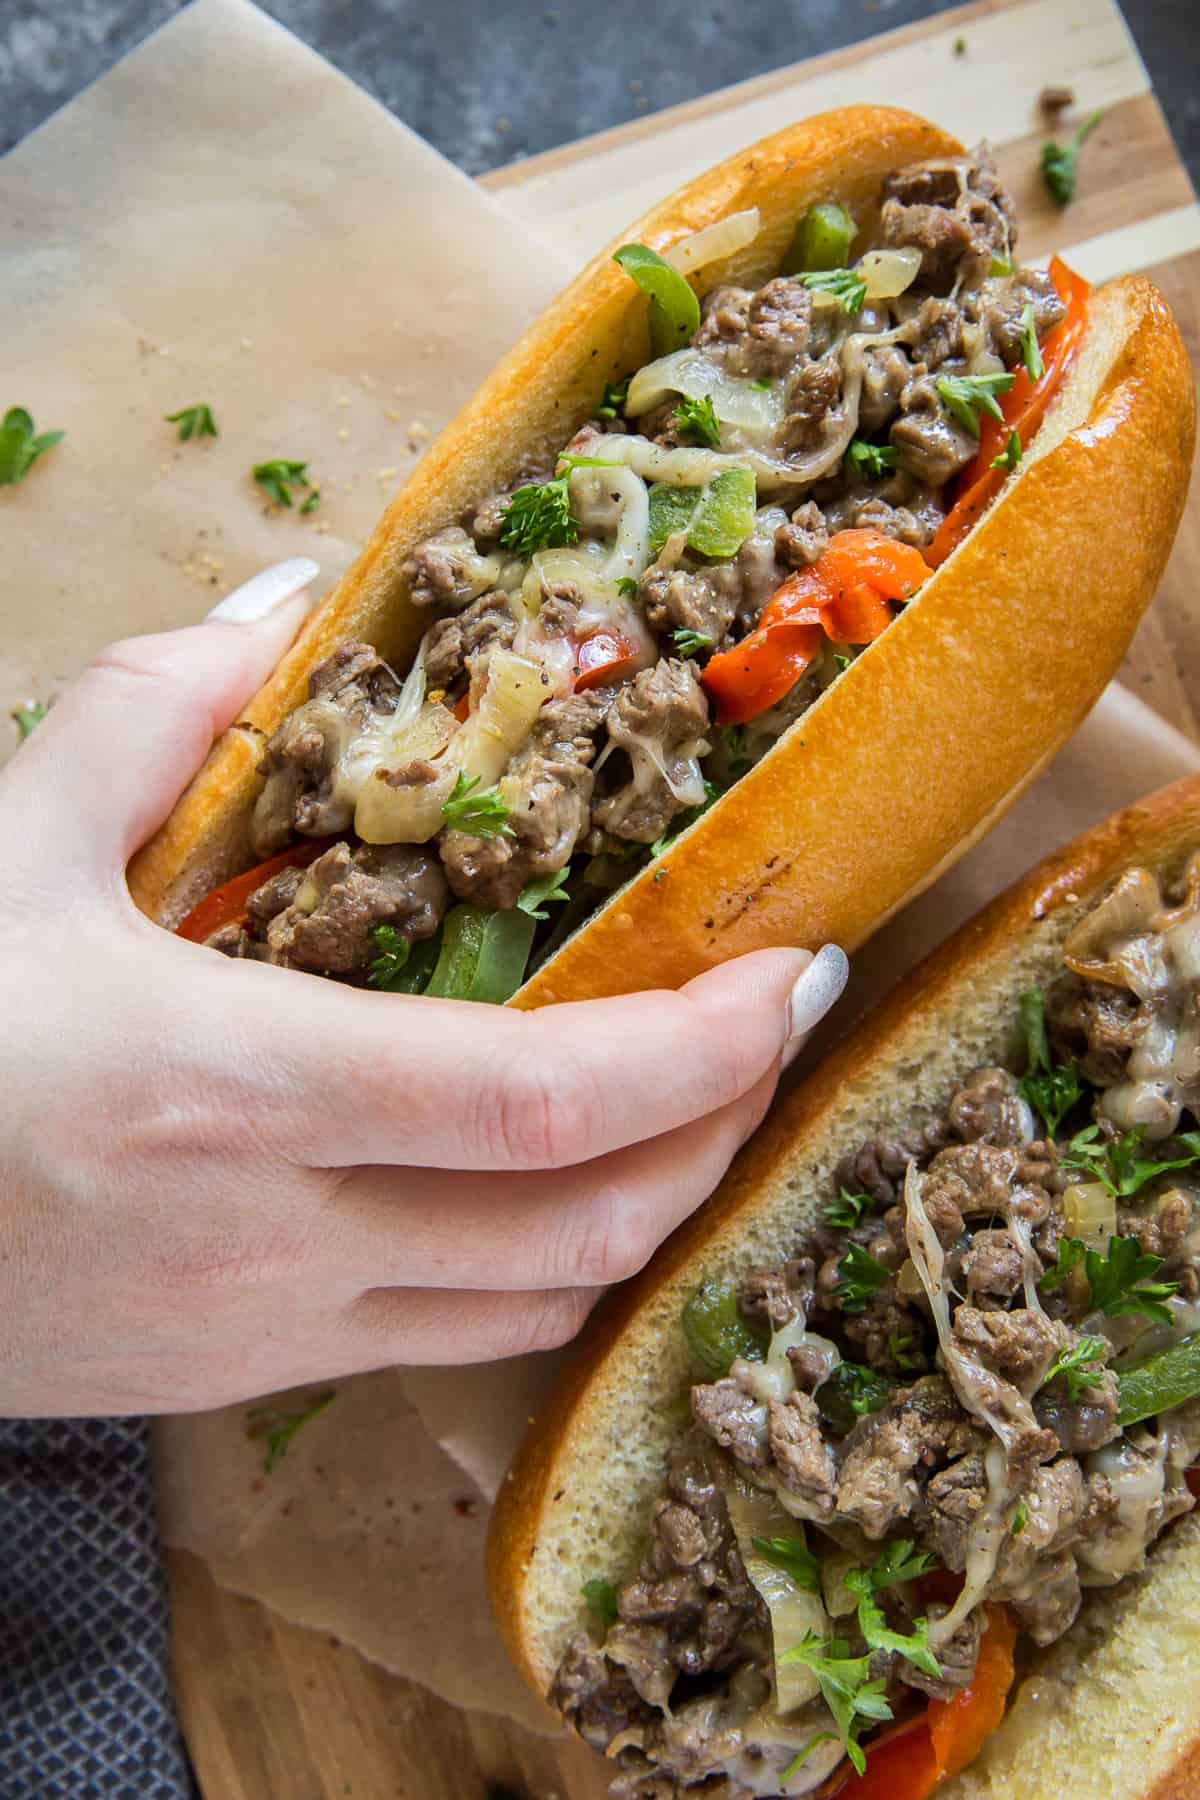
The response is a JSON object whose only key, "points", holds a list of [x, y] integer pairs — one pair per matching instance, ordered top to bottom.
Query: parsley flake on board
{"points": [[1060, 162], [193, 421], [20, 445], [280, 477], [28, 718], [277, 1429]]}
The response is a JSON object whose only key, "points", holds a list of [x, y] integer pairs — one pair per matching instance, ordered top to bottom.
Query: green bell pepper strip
{"points": [[822, 241], [674, 308], [718, 517], [483, 955], [716, 1331], [1162, 1381]]}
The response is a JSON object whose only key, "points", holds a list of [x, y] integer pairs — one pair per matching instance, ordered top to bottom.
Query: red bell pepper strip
{"points": [[1023, 408], [845, 594], [606, 656], [227, 905], [1192, 1477], [910, 1765]]}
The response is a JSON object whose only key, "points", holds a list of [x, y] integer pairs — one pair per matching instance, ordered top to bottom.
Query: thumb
{"points": [[105, 769]]}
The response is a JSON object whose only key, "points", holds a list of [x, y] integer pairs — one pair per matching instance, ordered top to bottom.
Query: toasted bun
{"points": [[925, 740], [578, 1498]]}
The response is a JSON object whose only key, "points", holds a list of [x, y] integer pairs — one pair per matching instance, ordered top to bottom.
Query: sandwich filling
{"points": [[613, 642], [971, 1393]]}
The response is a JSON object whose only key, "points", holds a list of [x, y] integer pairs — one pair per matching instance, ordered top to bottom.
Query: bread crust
{"points": [[931, 733], [900, 1060]]}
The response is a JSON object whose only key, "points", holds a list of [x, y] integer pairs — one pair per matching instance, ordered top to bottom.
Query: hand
{"points": [[222, 1178]]}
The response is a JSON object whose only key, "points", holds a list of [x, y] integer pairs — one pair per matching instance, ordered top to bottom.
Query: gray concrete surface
{"points": [[490, 80]]}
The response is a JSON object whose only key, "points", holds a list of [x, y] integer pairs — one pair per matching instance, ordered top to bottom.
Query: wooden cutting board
{"points": [[276, 1712]]}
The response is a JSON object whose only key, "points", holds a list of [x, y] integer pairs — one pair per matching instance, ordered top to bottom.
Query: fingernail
{"points": [[265, 591], [813, 994]]}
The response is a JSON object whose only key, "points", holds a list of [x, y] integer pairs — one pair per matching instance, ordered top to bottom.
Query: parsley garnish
{"points": [[960, 46], [1059, 162], [847, 288], [1031, 350], [765, 382], [967, 396], [612, 401], [699, 417], [193, 421], [19, 448], [1011, 454], [871, 460], [280, 477], [313, 501], [539, 517], [627, 586], [688, 643], [842, 658], [28, 718], [481, 814], [535, 895], [394, 952], [1050, 1089], [1115, 1161], [845, 1212], [860, 1276], [1119, 1282], [900, 1350], [1072, 1365], [277, 1429], [1019, 1519], [793, 1556], [900, 1561], [601, 1598], [914, 1646], [849, 1695], [802, 1755]]}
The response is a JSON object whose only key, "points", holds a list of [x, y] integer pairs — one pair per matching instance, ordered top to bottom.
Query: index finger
{"points": [[351, 1077]]}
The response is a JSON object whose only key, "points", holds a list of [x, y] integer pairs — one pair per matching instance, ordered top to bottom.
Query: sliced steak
{"points": [[448, 570], [454, 642], [659, 719], [345, 894]]}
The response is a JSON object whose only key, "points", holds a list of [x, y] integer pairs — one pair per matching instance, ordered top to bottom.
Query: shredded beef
{"points": [[955, 212], [813, 393], [804, 538], [447, 570], [454, 642], [347, 693], [664, 707], [547, 789], [353, 891], [1095, 1025], [989, 1110], [735, 1420], [888, 1455], [802, 1457]]}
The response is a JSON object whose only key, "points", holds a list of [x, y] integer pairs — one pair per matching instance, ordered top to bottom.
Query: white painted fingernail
{"points": [[265, 591], [813, 994]]}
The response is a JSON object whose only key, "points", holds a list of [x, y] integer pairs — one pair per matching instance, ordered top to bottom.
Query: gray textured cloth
{"points": [[85, 1698]]}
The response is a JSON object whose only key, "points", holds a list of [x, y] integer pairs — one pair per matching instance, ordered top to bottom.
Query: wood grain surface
{"points": [[275, 1712]]}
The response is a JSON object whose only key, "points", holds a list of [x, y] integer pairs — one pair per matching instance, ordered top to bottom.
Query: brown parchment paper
{"points": [[226, 219]]}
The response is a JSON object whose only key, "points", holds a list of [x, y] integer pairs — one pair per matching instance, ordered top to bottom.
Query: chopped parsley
{"points": [[1060, 162], [846, 286], [1031, 350], [766, 382], [966, 397], [612, 401], [699, 418], [193, 421], [20, 447], [1011, 454], [871, 460], [280, 477], [313, 501], [539, 517], [627, 586], [689, 643], [842, 658], [28, 718], [478, 811], [535, 895], [394, 951], [1050, 1089], [1115, 1161], [845, 1212], [860, 1276], [1119, 1282], [900, 1349], [1077, 1366], [277, 1429], [1020, 1519], [793, 1556], [900, 1561], [601, 1598], [914, 1646], [852, 1698]]}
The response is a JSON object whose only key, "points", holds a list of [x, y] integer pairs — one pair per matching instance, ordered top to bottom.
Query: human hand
{"points": [[221, 1178]]}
